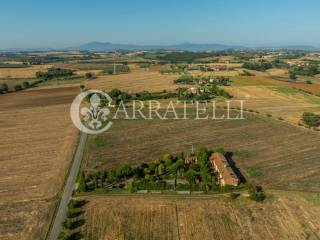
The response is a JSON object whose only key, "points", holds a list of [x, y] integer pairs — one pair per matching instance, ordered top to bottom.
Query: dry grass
{"points": [[135, 82], [37, 144], [200, 218]]}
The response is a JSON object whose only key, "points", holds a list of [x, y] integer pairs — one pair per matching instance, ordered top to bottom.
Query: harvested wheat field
{"points": [[27, 72], [136, 82], [279, 101], [37, 144], [268, 151], [204, 218]]}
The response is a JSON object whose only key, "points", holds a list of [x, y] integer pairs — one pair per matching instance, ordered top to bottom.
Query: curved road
{"points": [[68, 189]]}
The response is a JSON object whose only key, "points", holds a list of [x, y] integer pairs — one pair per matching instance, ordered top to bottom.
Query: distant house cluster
{"points": [[224, 172]]}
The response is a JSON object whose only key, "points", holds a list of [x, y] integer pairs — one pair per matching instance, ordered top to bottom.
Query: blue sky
{"points": [[57, 23]]}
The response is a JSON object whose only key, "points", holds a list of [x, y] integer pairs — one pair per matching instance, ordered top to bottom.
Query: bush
{"points": [[246, 73], [88, 75], [184, 79], [308, 82], [25, 84], [4, 87], [18, 87], [311, 119], [256, 193], [234, 195]]}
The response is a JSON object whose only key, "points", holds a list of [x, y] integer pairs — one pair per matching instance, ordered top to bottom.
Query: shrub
{"points": [[88, 75], [184, 79], [308, 82], [25, 84], [4, 87], [18, 87], [311, 119], [256, 193], [234, 195]]}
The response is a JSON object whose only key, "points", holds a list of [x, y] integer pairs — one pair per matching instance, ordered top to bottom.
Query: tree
{"points": [[88, 75], [292, 75], [25, 84], [4, 87], [18, 87], [115, 93], [219, 150], [202, 156], [167, 160], [180, 164], [152, 166], [161, 169], [190, 176], [82, 183]]}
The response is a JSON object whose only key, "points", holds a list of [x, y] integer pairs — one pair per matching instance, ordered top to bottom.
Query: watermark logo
{"points": [[89, 113]]}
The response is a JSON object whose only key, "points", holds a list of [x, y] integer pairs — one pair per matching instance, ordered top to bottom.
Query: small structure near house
{"points": [[192, 90], [112, 103], [190, 159], [223, 170]]}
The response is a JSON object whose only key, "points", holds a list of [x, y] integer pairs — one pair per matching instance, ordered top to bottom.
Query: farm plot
{"points": [[28, 72], [135, 82], [279, 101], [37, 144], [268, 151], [147, 217]]}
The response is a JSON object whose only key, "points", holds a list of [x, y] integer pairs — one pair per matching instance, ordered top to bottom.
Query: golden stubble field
{"points": [[27, 72], [136, 81], [277, 98], [37, 145], [269, 152], [205, 218]]}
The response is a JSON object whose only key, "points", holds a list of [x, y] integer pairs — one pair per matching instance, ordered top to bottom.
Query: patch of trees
{"points": [[188, 57], [277, 63], [13, 65], [144, 65], [258, 66], [111, 69], [304, 70], [54, 73], [246, 73], [88, 75], [185, 79], [223, 81], [204, 93], [123, 96], [311, 119], [172, 172], [71, 226]]}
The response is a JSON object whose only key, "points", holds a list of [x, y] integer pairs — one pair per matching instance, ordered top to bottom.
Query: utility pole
{"points": [[114, 62]]}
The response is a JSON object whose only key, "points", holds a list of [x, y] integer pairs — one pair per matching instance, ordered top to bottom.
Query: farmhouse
{"points": [[225, 174]]}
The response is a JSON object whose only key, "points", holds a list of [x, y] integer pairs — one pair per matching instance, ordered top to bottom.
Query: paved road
{"points": [[67, 191]]}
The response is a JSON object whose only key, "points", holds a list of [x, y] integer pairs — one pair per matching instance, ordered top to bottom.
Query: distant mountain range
{"points": [[100, 46], [106, 46]]}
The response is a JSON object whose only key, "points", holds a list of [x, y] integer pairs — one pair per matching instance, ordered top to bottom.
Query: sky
{"points": [[66, 23]]}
